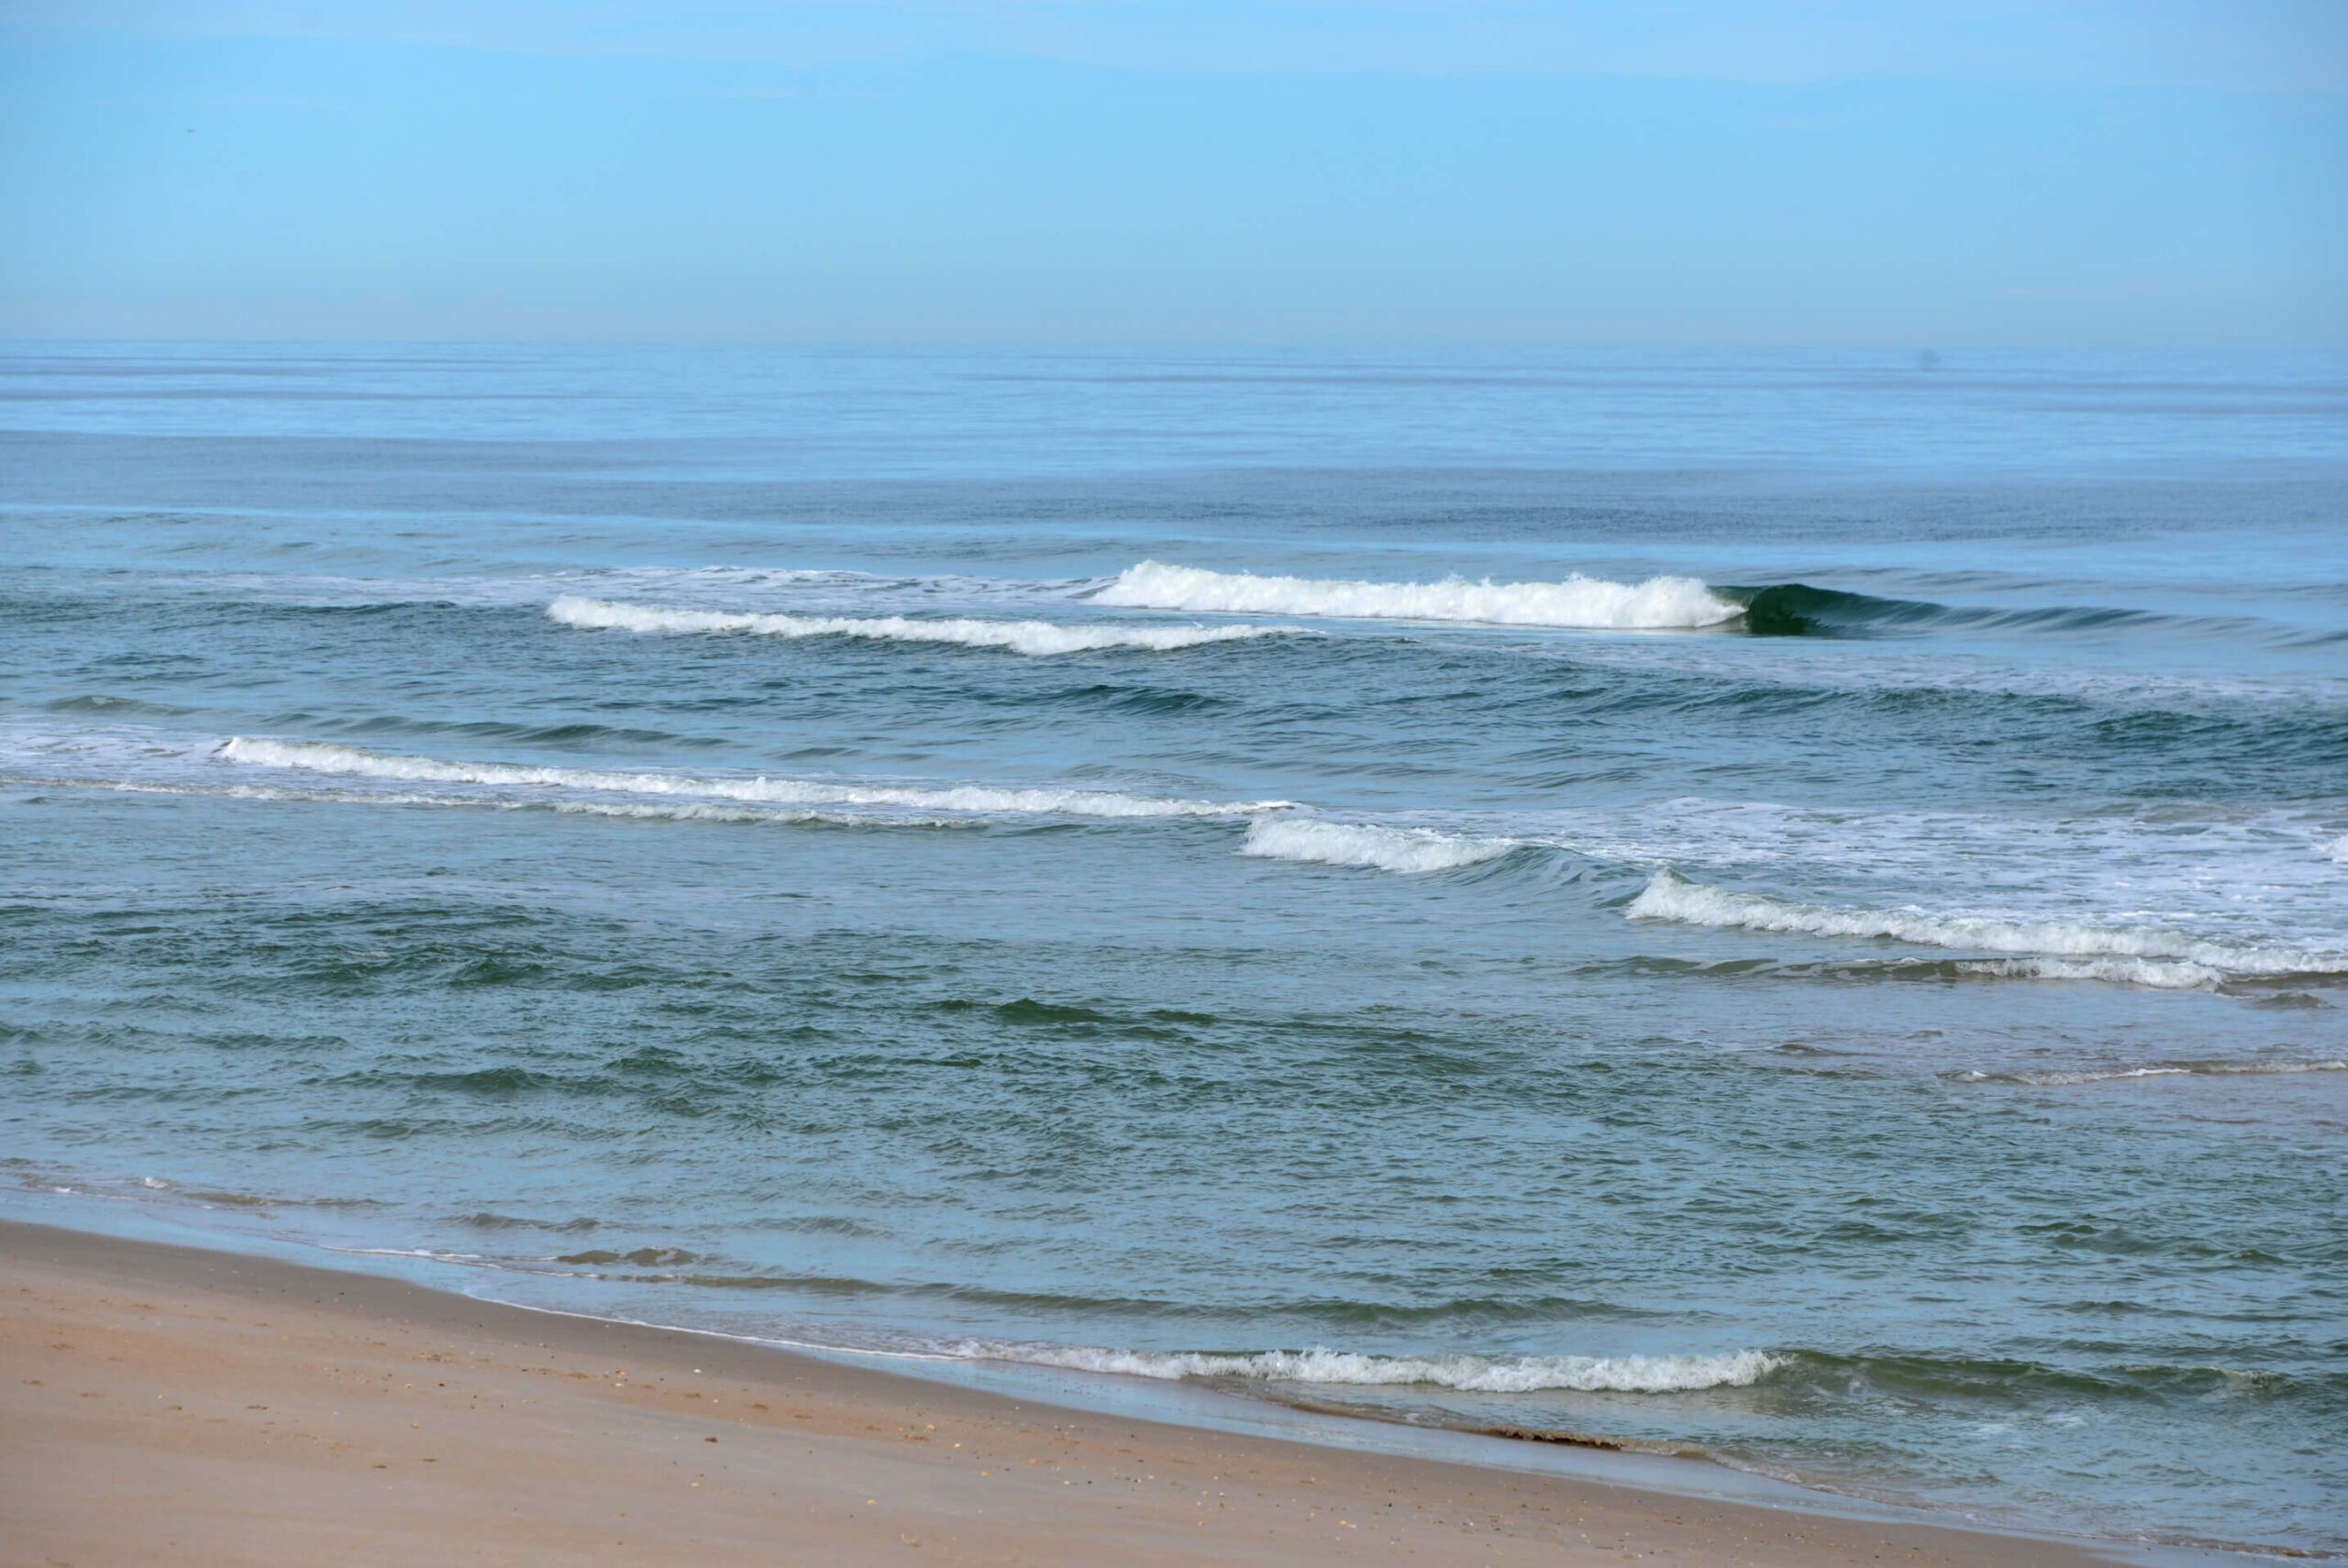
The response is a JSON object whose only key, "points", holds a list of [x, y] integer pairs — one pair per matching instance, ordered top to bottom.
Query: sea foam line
{"points": [[1658, 604], [1038, 639], [319, 757], [677, 811], [2057, 949], [1482, 1374]]}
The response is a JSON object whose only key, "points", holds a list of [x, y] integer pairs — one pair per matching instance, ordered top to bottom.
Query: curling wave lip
{"points": [[1578, 602]]}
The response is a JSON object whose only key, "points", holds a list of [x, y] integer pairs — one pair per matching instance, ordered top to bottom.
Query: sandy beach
{"points": [[165, 1404]]}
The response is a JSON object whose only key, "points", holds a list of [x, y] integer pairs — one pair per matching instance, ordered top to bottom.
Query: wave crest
{"points": [[1659, 604], [1038, 639], [320, 756], [1407, 850], [2057, 949], [2159, 974], [2071, 1077], [1469, 1373]]}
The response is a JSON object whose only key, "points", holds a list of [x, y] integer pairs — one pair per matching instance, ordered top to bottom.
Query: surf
{"points": [[1659, 604], [1035, 639], [324, 757], [1406, 850], [2048, 949], [1466, 1374]]}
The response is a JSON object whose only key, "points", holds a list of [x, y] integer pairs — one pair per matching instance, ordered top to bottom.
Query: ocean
{"points": [[1787, 907]]}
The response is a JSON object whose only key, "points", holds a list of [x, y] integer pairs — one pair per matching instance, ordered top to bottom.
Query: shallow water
{"points": [[1825, 947]]}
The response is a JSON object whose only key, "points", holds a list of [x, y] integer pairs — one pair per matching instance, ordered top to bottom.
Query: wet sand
{"points": [[163, 1404]]}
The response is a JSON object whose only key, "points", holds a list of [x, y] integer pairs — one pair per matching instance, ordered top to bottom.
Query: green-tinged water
{"points": [[1794, 908]]}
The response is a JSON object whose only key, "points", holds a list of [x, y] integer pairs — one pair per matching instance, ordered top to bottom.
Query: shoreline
{"points": [[171, 1401]]}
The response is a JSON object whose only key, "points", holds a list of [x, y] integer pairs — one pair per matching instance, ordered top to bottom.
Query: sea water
{"points": [[1784, 907]]}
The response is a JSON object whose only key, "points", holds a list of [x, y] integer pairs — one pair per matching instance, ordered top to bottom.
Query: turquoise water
{"points": [[1789, 907]]}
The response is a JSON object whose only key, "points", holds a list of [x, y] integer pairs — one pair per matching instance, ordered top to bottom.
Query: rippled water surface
{"points": [[1789, 907]]}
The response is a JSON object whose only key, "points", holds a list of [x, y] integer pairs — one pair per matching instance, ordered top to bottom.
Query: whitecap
{"points": [[1658, 604], [1038, 639], [322, 756], [681, 811], [1407, 850], [2142, 954], [2161, 974], [2071, 1077]]}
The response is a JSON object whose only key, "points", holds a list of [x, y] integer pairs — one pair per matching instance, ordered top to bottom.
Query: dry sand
{"points": [[172, 1405]]}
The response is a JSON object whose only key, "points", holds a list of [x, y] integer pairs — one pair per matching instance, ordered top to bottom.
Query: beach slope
{"points": [[163, 1404]]}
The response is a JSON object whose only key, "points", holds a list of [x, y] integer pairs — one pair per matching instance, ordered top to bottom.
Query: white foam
{"points": [[1658, 604], [1035, 638], [326, 758], [681, 811], [696, 812], [1408, 850], [2336, 851], [2058, 949], [2161, 974], [2065, 1080], [1483, 1375]]}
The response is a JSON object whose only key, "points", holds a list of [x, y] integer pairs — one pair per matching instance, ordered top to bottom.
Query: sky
{"points": [[2165, 174]]}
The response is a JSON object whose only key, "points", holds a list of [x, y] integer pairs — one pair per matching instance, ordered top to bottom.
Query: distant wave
{"points": [[1658, 604], [1035, 638], [326, 758], [677, 812], [1359, 843], [2058, 950], [2063, 1080], [1483, 1375]]}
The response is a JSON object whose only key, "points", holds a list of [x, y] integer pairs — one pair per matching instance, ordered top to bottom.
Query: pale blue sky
{"points": [[1943, 175]]}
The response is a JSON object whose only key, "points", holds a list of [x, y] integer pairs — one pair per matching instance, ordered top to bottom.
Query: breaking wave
{"points": [[1659, 604], [1039, 639], [319, 757], [677, 812], [1358, 843], [2056, 949], [2168, 974], [2064, 1079], [1502, 1375]]}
